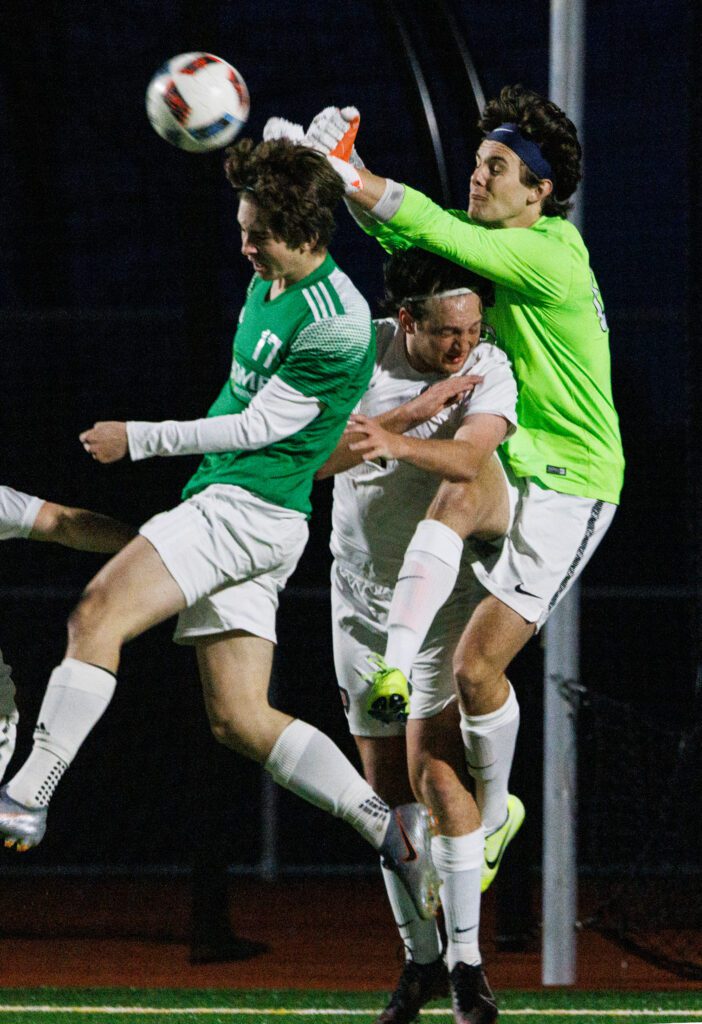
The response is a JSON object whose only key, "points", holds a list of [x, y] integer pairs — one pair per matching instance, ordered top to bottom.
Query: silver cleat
{"points": [[20, 826], [406, 850]]}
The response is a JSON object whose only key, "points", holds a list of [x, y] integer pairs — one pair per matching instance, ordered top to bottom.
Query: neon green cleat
{"points": [[388, 699], [498, 841]]}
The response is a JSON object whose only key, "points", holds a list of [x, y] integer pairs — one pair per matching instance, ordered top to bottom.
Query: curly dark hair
{"points": [[542, 121], [294, 188], [416, 271]]}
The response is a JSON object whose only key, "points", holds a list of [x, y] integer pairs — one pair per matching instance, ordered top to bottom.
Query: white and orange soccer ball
{"points": [[197, 102]]}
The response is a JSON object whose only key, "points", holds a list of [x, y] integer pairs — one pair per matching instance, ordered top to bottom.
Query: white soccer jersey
{"points": [[377, 506], [18, 512]]}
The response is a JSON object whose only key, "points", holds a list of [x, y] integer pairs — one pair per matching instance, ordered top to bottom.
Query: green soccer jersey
{"points": [[549, 317], [316, 336]]}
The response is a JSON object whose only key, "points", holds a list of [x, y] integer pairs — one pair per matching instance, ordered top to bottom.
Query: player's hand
{"points": [[281, 128], [333, 133], [352, 180], [439, 396], [106, 441], [374, 442]]}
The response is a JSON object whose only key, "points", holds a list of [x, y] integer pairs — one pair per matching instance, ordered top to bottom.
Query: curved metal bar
{"points": [[464, 53], [425, 100]]}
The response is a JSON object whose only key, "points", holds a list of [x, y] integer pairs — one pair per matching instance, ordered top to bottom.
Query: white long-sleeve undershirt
{"points": [[386, 207], [276, 412]]}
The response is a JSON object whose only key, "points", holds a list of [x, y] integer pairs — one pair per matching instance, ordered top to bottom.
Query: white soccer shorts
{"points": [[551, 539], [231, 553], [359, 618]]}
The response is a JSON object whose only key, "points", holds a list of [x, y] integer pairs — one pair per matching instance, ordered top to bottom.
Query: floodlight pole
{"points": [[562, 631]]}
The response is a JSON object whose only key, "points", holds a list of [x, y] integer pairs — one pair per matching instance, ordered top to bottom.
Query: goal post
{"points": [[562, 631]]}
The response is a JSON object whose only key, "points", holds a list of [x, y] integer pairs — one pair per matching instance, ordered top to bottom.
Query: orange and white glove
{"points": [[333, 132]]}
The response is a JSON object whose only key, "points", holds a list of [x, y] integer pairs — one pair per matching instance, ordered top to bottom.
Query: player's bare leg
{"points": [[478, 509], [133, 592], [492, 639], [235, 669], [490, 719], [384, 760], [438, 769], [440, 778], [424, 977]]}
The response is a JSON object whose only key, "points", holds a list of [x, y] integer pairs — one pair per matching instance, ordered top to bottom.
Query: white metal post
{"points": [[562, 648], [559, 859]]}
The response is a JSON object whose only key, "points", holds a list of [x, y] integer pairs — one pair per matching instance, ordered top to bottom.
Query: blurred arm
{"points": [[79, 528]]}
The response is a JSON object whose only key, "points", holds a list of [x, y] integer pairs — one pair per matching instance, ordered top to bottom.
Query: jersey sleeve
{"points": [[390, 240], [520, 258], [330, 357], [497, 394], [276, 412], [18, 512]]}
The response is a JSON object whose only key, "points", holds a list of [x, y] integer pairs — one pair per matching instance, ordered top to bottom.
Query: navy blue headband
{"points": [[528, 151]]}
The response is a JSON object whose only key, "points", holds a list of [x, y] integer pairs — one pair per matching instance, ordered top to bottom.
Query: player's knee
{"points": [[453, 506], [89, 615], [476, 677], [228, 731], [433, 782]]}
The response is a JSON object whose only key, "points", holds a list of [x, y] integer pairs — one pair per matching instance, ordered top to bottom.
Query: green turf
{"points": [[129, 1006]]}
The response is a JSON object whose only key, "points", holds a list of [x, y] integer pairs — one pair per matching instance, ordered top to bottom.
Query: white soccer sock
{"points": [[426, 579], [75, 699], [489, 742], [308, 763], [459, 860], [420, 938]]}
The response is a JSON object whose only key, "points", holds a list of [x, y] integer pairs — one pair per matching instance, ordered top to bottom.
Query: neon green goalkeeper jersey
{"points": [[549, 318], [317, 336]]}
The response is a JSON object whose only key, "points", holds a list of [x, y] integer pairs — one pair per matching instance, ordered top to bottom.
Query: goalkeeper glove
{"points": [[333, 133]]}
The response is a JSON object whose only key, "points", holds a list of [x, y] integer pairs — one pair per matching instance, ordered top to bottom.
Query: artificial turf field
{"points": [[129, 1005]]}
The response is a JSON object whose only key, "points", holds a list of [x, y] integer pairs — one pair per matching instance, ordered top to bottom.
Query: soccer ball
{"points": [[197, 102]]}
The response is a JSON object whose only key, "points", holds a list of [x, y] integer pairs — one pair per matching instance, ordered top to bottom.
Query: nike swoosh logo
{"points": [[399, 578], [527, 593], [411, 852], [493, 863], [460, 931]]}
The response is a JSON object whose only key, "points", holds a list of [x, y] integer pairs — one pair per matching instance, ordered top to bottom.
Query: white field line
{"points": [[248, 1011]]}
